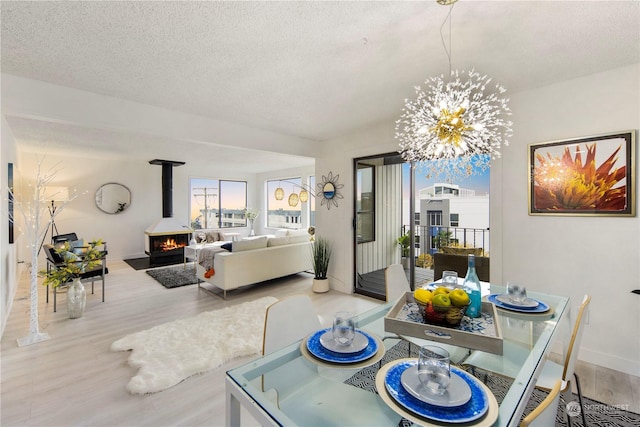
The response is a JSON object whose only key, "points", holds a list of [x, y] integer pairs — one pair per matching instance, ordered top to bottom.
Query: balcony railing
{"points": [[429, 239]]}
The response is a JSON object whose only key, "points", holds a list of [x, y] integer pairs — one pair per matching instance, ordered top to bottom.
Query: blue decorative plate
{"points": [[541, 308], [318, 350], [475, 408]]}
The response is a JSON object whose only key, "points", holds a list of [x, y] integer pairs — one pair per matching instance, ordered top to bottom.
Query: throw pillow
{"points": [[212, 236], [247, 245], [227, 247], [78, 248]]}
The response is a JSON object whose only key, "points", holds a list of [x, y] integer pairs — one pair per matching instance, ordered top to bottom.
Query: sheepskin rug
{"points": [[171, 352]]}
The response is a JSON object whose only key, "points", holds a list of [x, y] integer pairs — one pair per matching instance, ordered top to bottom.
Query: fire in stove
{"points": [[169, 245]]}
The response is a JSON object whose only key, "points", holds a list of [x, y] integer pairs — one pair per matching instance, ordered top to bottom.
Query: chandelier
{"points": [[455, 126]]}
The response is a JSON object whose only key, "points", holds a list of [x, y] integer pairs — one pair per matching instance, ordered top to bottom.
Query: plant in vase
{"points": [[251, 216], [405, 243], [321, 255], [76, 262]]}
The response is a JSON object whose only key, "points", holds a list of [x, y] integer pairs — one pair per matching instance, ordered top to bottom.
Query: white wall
{"points": [[123, 232], [575, 255], [569, 256], [8, 267]]}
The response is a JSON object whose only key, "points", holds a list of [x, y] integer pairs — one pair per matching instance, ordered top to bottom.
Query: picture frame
{"points": [[586, 176]]}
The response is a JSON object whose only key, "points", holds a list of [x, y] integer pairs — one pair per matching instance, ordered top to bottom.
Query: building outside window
{"points": [[217, 203]]}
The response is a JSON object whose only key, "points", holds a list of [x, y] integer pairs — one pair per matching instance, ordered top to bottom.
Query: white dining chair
{"points": [[397, 286], [287, 321], [551, 370], [544, 415]]}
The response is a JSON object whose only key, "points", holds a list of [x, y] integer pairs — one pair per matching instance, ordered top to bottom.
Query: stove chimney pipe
{"points": [[167, 184]]}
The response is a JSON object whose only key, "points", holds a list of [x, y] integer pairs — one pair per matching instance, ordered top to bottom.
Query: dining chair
{"points": [[397, 286], [287, 321], [551, 370], [544, 415]]}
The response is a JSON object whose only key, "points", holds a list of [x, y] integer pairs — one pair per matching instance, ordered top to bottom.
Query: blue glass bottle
{"points": [[471, 286]]}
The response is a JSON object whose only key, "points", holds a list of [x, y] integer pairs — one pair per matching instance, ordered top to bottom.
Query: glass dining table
{"points": [[289, 388]]}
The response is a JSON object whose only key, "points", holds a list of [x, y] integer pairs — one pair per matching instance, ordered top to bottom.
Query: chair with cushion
{"points": [[56, 260], [397, 286], [551, 370], [544, 415]]}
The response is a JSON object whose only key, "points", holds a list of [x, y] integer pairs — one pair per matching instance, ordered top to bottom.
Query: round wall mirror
{"points": [[329, 190], [113, 198]]}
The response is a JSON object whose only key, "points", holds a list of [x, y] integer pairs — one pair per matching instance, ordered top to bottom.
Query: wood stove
{"points": [[167, 237]]}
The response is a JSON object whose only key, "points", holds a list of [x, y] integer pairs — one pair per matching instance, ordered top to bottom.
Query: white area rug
{"points": [[169, 353]]}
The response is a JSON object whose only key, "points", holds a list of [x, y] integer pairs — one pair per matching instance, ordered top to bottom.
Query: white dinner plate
{"points": [[525, 303], [359, 343], [458, 393]]}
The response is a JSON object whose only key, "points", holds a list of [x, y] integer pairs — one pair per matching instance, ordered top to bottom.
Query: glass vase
{"points": [[76, 299]]}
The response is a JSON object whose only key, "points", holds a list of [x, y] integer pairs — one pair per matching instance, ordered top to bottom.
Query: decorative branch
{"points": [[32, 210]]}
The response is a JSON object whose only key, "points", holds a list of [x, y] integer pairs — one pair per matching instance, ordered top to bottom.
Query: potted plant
{"points": [[405, 243], [321, 255], [75, 262]]}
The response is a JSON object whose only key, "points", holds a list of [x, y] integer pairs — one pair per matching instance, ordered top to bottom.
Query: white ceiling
{"points": [[309, 69]]}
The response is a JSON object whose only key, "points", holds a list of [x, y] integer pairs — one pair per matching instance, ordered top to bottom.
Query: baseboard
{"points": [[626, 366]]}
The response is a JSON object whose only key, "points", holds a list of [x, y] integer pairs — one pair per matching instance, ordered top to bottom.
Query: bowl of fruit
{"points": [[442, 306]]}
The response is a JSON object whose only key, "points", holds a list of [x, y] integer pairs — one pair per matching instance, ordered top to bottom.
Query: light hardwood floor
{"points": [[75, 380]]}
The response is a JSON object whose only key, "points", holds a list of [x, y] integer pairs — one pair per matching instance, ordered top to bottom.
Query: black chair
{"points": [[55, 260]]}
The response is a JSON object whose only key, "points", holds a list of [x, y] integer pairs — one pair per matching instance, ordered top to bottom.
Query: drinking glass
{"points": [[450, 279], [517, 292], [344, 328], [434, 371]]}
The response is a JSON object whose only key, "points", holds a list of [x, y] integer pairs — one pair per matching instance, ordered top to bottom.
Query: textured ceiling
{"points": [[310, 69]]}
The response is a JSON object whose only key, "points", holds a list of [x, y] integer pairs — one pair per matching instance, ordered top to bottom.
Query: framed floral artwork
{"points": [[584, 176]]}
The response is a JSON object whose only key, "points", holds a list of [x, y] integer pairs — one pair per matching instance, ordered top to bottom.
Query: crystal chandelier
{"points": [[456, 126]]}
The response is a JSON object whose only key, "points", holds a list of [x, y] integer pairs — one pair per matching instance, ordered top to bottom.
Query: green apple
{"points": [[459, 297]]}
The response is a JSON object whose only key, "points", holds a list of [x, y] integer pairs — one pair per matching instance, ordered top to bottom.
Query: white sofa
{"points": [[254, 260]]}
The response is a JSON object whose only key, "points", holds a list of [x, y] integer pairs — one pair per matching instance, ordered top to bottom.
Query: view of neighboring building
{"points": [[458, 211]]}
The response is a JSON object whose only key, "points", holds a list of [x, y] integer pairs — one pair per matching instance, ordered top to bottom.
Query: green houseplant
{"points": [[405, 243], [321, 255]]}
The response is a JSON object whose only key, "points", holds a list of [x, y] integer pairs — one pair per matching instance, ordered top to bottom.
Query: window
{"points": [[217, 203], [365, 203], [279, 212], [435, 218], [454, 220]]}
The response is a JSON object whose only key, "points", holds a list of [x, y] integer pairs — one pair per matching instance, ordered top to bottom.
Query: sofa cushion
{"points": [[299, 232], [281, 233], [299, 238], [277, 241], [247, 245], [226, 246]]}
